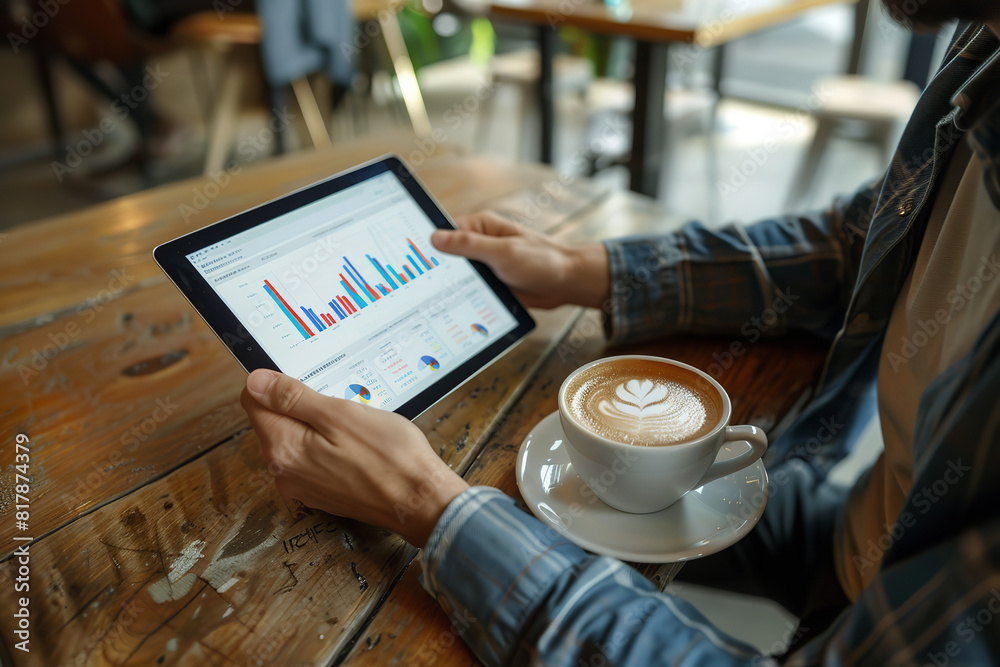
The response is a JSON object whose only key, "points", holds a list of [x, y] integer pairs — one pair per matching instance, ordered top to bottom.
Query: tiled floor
{"points": [[30, 190]]}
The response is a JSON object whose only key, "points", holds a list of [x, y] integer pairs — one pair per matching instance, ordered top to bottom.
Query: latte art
{"points": [[653, 404]]}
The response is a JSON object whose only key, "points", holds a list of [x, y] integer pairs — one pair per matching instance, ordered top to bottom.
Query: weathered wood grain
{"points": [[51, 268], [100, 381], [763, 384], [127, 396]]}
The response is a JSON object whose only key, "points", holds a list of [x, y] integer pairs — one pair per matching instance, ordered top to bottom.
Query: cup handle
{"points": [[758, 443]]}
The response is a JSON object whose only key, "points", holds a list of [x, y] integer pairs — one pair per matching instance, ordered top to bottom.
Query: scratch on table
{"points": [[291, 572], [362, 582]]}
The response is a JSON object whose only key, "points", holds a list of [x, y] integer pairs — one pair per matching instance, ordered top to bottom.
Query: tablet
{"points": [[337, 284]]}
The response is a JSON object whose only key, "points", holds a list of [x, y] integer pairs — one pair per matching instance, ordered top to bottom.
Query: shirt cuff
{"points": [[646, 288], [487, 563]]}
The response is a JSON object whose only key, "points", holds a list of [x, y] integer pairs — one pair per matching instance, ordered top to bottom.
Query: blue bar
{"points": [[415, 252], [435, 261], [415, 265], [394, 272], [408, 272], [357, 275], [388, 278], [361, 284], [383, 290], [352, 294], [337, 310], [288, 314], [312, 318], [318, 319]]}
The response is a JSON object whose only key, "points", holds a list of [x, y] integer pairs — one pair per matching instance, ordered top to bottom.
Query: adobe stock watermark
{"points": [[31, 24], [121, 107], [246, 150], [754, 159], [957, 299], [87, 311], [753, 329], [130, 440], [778, 477], [923, 500], [967, 629]]}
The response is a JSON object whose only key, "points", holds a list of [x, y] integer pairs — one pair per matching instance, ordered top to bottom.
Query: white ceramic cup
{"points": [[642, 479]]}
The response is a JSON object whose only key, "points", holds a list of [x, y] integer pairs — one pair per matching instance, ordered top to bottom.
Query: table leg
{"points": [[860, 21], [718, 69], [546, 99], [648, 136]]}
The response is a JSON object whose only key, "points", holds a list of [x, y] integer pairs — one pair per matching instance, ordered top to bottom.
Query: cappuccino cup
{"points": [[642, 431]]}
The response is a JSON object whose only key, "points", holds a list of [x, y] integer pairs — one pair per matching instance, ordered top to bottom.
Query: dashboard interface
{"points": [[348, 295]]}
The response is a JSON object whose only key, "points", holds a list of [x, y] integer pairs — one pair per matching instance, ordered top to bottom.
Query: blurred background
{"points": [[105, 98]]}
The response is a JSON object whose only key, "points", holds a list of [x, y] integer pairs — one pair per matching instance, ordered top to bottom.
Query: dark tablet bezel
{"points": [[172, 259]]}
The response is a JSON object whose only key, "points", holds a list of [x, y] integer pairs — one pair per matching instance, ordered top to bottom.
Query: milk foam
{"points": [[642, 410]]}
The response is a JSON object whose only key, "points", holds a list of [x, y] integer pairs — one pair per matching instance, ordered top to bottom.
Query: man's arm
{"points": [[790, 272], [779, 274], [517, 591], [517, 594]]}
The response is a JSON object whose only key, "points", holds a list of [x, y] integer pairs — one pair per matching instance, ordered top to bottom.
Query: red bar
{"points": [[419, 253], [403, 278], [349, 288], [372, 292], [347, 305], [294, 314], [327, 319]]}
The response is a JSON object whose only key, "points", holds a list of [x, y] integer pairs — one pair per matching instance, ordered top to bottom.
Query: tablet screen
{"points": [[348, 295]]}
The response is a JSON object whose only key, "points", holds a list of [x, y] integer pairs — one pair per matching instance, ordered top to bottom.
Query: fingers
{"points": [[488, 222], [489, 249], [287, 396]]}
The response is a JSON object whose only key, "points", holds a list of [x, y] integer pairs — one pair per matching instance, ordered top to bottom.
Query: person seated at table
{"points": [[903, 567]]}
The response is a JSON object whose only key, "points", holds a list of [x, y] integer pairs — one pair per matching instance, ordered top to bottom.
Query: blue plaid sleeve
{"points": [[780, 274], [519, 593]]}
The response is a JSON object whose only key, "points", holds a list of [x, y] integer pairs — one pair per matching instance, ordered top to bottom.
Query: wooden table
{"points": [[655, 26], [158, 535]]}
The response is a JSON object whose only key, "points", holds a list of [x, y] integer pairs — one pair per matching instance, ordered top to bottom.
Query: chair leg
{"points": [[405, 74], [201, 82], [277, 98], [51, 103], [311, 113], [224, 121], [484, 121], [525, 124], [881, 136], [807, 172]]}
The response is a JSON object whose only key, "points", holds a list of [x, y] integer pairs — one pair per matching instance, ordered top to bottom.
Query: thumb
{"points": [[471, 245], [285, 395]]}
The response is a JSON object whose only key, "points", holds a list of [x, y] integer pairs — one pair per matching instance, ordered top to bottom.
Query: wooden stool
{"points": [[239, 31], [854, 98]]}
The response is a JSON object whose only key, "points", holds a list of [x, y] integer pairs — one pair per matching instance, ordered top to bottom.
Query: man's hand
{"points": [[542, 272], [349, 459]]}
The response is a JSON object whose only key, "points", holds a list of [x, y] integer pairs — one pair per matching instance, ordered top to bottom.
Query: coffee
{"points": [[643, 402]]}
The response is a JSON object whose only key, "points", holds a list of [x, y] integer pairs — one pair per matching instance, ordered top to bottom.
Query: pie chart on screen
{"points": [[478, 329], [429, 362], [356, 392]]}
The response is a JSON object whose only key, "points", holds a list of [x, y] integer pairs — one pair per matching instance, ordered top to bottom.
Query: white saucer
{"points": [[706, 520]]}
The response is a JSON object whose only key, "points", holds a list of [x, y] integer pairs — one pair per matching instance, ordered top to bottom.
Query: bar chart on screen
{"points": [[339, 296], [354, 300]]}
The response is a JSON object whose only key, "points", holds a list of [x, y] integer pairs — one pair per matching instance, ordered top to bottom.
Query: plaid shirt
{"points": [[517, 593]]}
